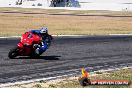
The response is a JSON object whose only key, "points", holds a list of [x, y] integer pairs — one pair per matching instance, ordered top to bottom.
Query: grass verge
{"points": [[64, 11], [89, 23], [73, 82]]}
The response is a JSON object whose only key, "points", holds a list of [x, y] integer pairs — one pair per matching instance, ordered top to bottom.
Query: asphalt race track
{"points": [[66, 56]]}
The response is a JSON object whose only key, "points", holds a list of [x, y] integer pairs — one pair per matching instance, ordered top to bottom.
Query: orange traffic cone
{"points": [[84, 73], [84, 81]]}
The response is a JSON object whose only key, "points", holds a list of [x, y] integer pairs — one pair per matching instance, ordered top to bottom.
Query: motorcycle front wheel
{"points": [[13, 52]]}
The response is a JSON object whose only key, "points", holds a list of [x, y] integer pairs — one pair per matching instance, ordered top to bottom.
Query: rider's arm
{"points": [[35, 31], [50, 37]]}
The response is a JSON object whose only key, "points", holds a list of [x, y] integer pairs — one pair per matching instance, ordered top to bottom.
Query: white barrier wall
{"points": [[7, 3], [25, 3], [37, 3], [115, 5]]}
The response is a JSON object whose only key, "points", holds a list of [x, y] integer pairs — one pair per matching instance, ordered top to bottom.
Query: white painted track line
{"points": [[120, 34], [52, 35], [74, 35], [51, 78]]}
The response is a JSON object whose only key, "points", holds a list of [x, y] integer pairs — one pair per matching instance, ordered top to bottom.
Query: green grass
{"points": [[63, 11], [12, 24], [121, 74], [125, 74], [38, 86]]}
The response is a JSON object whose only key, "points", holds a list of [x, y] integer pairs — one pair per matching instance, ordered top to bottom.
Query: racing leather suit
{"points": [[44, 44]]}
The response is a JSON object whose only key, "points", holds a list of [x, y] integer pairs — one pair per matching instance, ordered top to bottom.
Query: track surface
{"points": [[65, 56]]}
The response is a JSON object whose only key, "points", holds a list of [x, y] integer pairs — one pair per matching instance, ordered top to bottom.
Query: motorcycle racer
{"points": [[43, 33]]}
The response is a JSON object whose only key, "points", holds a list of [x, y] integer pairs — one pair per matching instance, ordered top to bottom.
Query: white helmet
{"points": [[44, 30]]}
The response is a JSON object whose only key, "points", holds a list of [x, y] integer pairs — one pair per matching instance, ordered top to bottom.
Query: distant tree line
{"points": [[19, 2], [55, 2]]}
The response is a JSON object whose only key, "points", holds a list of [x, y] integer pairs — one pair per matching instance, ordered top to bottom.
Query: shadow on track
{"points": [[40, 57]]}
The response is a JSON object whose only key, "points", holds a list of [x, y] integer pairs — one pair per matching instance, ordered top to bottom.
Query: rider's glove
{"points": [[36, 46]]}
